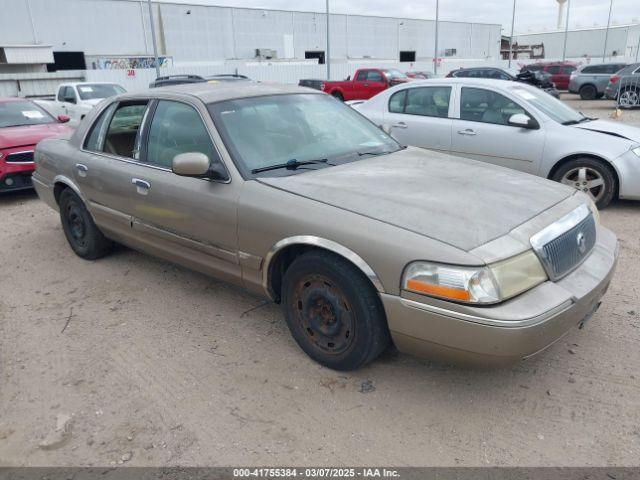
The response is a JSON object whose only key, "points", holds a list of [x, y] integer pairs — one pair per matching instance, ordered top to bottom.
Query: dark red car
{"points": [[560, 72], [22, 125]]}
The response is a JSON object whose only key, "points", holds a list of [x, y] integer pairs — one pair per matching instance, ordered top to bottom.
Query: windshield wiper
{"points": [[575, 122], [375, 153], [290, 165]]}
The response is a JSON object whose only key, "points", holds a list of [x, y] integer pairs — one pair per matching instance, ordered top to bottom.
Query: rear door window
{"points": [[428, 101], [396, 102], [122, 135], [95, 139]]}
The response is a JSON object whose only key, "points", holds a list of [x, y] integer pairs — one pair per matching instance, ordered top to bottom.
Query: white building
{"points": [[116, 34], [623, 42]]}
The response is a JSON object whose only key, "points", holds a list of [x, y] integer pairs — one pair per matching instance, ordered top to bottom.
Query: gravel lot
{"points": [[145, 363]]}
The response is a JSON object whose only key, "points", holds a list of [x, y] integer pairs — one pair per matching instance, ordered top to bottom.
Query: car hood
{"points": [[92, 101], [606, 127], [11, 137], [461, 202]]}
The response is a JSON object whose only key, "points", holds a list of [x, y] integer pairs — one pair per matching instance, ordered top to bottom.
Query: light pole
{"points": [[513, 20], [566, 32], [606, 32], [153, 38], [328, 45], [435, 50]]}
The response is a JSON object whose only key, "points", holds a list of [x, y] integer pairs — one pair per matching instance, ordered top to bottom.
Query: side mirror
{"points": [[70, 99], [63, 118], [523, 121], [198, 165]]}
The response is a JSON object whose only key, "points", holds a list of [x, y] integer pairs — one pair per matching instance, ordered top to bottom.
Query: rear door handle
{"points": [[399, 125], [467, 131], [82, 169], [142, 186]]}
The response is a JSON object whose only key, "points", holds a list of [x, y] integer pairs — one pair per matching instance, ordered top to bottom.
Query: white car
{"points": [[77, 99], [516, 126]]}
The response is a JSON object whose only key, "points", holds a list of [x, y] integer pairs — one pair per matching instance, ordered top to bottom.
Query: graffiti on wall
{"points": [[127, 63]]}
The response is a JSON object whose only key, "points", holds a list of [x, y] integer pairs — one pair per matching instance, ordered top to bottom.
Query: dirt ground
{"points": [[137, 361]]}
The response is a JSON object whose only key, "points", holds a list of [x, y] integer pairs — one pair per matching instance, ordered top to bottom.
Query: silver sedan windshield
{"points": [[550, 106]]}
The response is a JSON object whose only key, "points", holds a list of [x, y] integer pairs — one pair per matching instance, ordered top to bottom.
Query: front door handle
{"points": [[400, 125], [467, 131], [82, 169], [142, 186]]}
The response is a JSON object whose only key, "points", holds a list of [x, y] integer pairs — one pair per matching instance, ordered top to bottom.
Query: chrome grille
{"points": [[20, 157], [565, 244]]}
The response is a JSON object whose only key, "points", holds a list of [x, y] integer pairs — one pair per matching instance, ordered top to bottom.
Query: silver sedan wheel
{"points": [[630, 98], [589, 180]]}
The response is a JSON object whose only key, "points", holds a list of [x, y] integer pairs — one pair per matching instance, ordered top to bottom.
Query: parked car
{"points": [[560, 72], [420, 75], [184, 79], [538, 79], [590, 81], [366, 83], [624, 86], [77, 99], [22, 125], [517, 126], [288, 193]]}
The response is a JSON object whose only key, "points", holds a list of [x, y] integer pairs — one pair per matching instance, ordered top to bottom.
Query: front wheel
{"points": [[591, 176], [85, 239], [334, 313]]}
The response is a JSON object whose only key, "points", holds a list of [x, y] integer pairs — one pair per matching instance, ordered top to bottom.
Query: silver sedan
{"points": [[515, 126]]}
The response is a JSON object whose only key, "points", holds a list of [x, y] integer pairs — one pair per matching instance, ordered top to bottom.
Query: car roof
{"points": [[464, 80], [210, 93]]}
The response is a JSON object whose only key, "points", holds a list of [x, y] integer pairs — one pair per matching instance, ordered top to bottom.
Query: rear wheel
{"points": [[588, 92], [338, 96], [629, 98], [590, 175], [85, 239], [333, 311]]}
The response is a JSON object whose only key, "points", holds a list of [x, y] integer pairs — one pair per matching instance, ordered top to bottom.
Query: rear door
{"points": [[421, 117], [481, 131], [107, 161]]}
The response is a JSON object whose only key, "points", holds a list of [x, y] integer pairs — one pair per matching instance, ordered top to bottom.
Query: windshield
{"points": [[392, 73], [99, 90], [552, 107], [16, 114], [276, 129]]}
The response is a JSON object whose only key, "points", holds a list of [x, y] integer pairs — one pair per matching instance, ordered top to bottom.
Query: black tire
{"points": [[588, 92], [338, 96], [568, 174], [85, 239], [333, 312]]}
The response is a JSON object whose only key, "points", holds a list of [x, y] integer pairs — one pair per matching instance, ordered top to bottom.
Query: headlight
{"points": [[636, 151], [480, 285]]}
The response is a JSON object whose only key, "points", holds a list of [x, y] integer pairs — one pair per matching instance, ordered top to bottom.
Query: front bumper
{"points": [[627, 167], [15, 176], [511, 331]]}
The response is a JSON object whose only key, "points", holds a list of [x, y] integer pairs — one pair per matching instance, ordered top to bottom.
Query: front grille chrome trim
{"points": [[557, 245]]}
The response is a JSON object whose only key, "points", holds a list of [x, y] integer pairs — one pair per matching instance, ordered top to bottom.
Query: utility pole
{"points": [[513, 20], [566, 32], [606, 33], [153, 38], [435, 51], [328, 59]]}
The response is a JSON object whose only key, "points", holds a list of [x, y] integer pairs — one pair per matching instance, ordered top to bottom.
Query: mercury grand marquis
{"points": [[364, 243]]}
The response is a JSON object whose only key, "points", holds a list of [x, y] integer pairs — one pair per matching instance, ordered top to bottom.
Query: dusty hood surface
{"points": [[612, 128], [27, 135], [460, 202]]}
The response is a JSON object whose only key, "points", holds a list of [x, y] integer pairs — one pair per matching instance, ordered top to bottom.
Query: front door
{"points": [[420, 116], [482, 131], [190, 220]]}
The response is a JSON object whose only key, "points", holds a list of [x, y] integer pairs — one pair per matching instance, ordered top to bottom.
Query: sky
{"points": [[531, 15]]}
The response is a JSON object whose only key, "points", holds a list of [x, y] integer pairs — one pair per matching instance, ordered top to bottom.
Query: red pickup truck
{"points": [[366, 83]]}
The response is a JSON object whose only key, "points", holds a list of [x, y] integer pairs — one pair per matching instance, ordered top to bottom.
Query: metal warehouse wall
{"points": [[215, 34], [580, 43]]}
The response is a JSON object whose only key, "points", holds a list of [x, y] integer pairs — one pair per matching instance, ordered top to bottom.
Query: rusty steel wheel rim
{"points": [[323, 314]]}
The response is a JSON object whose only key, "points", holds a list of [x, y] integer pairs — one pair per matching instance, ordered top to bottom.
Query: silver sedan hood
{"points": [[612, 128], [461, 202]]}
